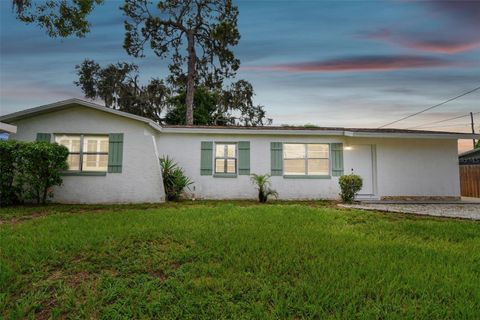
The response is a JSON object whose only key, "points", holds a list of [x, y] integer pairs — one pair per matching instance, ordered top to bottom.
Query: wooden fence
{"points": [[470, 180]]}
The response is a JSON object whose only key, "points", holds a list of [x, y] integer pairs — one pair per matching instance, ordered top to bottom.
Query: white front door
{"points": [[359, 159]]}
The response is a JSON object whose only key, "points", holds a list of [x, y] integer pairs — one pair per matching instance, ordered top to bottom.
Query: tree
{"points": [[60, 18], [209, 28], [117, 85], [238, 100], [205, 106], [231, 106], [477, 146]]}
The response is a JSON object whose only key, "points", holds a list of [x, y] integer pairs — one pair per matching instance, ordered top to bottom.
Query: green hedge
{"points": [[29, 170]]}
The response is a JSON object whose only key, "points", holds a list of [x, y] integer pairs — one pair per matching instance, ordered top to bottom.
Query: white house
{"points": [[114, 157]]}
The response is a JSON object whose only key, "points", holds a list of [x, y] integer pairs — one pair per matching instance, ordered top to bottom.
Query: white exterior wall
{"points": [[185, 149], [403, 167], [420, 167], [140, 179]]}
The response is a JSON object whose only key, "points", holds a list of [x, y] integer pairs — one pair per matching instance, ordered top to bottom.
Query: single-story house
{"points": [[114, 157]]}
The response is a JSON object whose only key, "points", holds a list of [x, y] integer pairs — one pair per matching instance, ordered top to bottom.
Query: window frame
{"points": [[81, 153], [225, 158], [305, 158]]}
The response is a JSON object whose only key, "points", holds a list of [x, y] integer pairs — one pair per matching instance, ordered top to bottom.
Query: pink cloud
{"points": [[427, 42], [441, 46], [358, 64]]}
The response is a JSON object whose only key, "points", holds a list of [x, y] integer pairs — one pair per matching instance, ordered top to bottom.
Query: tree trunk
{"points": [[190, 78], [44, 195]]}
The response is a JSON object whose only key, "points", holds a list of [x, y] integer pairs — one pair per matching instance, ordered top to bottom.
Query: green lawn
{"points": [[235, 260]]}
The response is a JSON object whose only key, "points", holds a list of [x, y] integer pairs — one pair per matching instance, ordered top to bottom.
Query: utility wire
{"points": [[430, 108], [440, 121]]}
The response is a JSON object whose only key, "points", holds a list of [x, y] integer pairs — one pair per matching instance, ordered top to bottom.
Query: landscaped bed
{"points": [[235, 260]]}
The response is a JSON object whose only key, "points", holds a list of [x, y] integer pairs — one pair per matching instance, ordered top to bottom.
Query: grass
{"points": [[236, 260]]}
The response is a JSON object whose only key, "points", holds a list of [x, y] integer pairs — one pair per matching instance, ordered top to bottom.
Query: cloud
{"points": [[467, 11], [453, 28], [439, 42], [441, 46], [358, 64]]}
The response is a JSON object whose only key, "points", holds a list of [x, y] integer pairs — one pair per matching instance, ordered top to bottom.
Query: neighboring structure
{"points": [[6, 129], [114, 157], [470, 157], [470, 173]]}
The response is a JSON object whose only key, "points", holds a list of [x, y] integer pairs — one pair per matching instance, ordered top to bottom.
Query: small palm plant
{"points": [[174, 179], [262, 181]]}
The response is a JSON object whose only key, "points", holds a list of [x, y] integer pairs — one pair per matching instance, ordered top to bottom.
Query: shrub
{"points": [[9, 156], [39, 169], [29, 170], [174, 179], [350, 185], [263, 186]]}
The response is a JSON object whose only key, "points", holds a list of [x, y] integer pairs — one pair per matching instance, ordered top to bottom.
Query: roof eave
{"points": [[12, 117], [255, 132], [346, 133], [442, 135]]}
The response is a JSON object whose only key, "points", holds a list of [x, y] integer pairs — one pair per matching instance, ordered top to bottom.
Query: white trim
{"points": [[67, 103], [270, 132], [303, 132], [440, 135]]}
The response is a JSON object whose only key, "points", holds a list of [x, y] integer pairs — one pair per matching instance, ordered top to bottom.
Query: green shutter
{"points": [[43, 137], [115, 152], [244, 157], [276, 158], [337, 159], [206, 160]]}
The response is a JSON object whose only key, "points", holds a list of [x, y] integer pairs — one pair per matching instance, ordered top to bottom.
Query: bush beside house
{"points": [[30, 170], [174, 179], [350, 185]]}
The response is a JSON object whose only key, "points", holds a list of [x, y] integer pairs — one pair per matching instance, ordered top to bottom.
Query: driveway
{"points": [[466, 209]]}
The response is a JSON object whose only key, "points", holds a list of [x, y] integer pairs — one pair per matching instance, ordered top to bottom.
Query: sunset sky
{"points": [[329, 63]]}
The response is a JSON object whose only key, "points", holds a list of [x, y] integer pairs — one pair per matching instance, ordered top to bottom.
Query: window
{"points": [[86, 152], [226, 158], [310, 159]]}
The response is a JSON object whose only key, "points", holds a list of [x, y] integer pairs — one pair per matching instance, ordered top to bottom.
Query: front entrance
{"points": [[360, 159]]}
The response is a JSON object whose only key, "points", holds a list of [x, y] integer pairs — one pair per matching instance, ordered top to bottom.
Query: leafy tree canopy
{"points": [[60, 18], [196, 35], [118, 86]]}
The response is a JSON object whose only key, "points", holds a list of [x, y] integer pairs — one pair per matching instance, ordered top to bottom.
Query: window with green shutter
{"points": [[43, 137], [115, 152], [87, 153], [276, 155], [206, 158], [244, 158], [337, 159]]}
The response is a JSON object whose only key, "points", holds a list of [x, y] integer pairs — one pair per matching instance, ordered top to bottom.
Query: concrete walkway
{"points": [[468, 208]]}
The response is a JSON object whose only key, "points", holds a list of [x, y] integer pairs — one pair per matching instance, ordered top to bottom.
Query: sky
{"points": [[328, 63]]}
